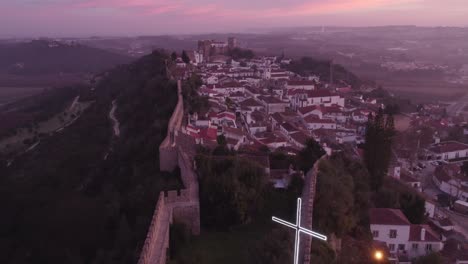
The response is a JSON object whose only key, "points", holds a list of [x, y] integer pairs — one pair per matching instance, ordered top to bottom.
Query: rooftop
{"points": [[449, 146], [387, 216], [416, 230]]}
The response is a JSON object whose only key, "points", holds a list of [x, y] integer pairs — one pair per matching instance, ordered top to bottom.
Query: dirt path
{"points": [[114, 119]]}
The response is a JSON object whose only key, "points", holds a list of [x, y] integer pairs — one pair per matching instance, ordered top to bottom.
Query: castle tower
{"points": [[232, 42]]}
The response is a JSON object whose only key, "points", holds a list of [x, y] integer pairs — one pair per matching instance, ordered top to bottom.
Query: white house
{"points": [[212, 79], [305, 85], [226, 88], [301, 98], [272, 104], [310, 110], [313, 122], [287, 129], [449, 150], [449, 180], [402, 238]]}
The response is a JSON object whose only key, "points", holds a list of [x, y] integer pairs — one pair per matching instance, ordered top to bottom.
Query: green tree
{"points": [[174, 56], [185, 57], [221, 139], [378, 147], [309, 155], [230, 190], [334, 200], [413, 207], [274, 248], [321, 253], [433, 258]]}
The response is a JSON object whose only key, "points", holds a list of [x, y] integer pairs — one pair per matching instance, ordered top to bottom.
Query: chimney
{"points": [[423, 234]]}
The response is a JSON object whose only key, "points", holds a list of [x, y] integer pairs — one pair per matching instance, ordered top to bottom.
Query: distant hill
{"points": [[48, 57], [341, 75], [87, 195]]}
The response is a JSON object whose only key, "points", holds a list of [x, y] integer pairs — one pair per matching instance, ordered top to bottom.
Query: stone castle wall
{"points": [[308, 196], [178, 205], [158, 229]]}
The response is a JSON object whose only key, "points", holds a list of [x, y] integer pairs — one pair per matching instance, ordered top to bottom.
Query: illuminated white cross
{"points": [[299, 229]]}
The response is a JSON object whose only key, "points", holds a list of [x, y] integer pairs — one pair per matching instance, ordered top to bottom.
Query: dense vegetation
{"points": [[238, 53], [36, 57], [310, 66], [193, 101], [32, 110], [380, 131], [84, 195], [237, 202]]}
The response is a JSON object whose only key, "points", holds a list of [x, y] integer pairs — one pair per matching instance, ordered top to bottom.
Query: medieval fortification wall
{"points": [[308, 196], [178, 205]]}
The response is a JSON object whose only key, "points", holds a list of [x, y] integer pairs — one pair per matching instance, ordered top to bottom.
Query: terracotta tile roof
{"points": [[271, 100], [250, 102], [308, 109], [317, 120], [288, 127], [300, 137], [448, 146], [387, 216], [415, 233]]}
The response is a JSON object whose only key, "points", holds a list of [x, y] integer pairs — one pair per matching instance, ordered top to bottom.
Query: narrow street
{"points": [[430, 189]]}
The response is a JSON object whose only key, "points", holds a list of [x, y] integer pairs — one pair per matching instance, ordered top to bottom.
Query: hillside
{"points": [[46, 57], [341, 75], [85, 195]]}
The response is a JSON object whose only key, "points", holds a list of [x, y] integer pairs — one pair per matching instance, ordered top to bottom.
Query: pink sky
{"points": [[135, 17]]}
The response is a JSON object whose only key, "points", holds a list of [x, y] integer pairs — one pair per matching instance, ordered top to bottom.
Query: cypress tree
{"points": [[378, 147]]}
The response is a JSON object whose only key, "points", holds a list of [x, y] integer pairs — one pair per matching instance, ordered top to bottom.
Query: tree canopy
{"points": [[378, 146], [83, 196]]}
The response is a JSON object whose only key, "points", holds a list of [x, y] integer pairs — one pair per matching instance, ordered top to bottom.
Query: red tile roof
{"points": [[308, 109], [317, 120], [449, 146], [387, 216], [415, 234]]}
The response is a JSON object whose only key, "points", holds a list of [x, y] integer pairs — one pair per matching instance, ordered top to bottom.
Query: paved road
{"points": [[460, 222]]}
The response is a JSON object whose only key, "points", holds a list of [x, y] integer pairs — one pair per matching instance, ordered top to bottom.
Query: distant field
{"points": [[423, 92], [10, 94]]}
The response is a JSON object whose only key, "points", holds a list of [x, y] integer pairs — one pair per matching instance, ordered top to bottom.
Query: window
{"points": [[375, 233], [393, 233], [401, 246], [415, 246], [391, 247], [429, 247]]}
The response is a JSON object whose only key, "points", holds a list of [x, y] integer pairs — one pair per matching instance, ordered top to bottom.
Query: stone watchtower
{"points": [[232, 42]]}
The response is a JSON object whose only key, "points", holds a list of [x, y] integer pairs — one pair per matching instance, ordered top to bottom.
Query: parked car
{"points": [[422, 165]]}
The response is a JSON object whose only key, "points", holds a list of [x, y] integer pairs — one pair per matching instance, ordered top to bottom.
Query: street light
{"points": [[378, 255]]}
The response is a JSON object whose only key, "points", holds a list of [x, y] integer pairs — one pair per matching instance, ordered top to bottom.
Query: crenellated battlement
{"points": [[178, 196], [176, 205]]}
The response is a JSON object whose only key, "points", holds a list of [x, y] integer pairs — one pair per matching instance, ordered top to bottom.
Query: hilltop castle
{"points": [[209, 48]]}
